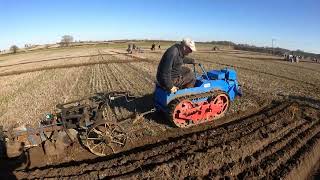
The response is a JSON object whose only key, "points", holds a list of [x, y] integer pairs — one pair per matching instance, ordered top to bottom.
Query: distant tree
{"points": [[66, 40], [14, 49], [299, 50]]}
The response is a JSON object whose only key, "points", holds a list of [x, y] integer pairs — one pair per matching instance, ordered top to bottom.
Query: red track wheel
{"points": [[220, 102], [185, 113], [179, 116]]}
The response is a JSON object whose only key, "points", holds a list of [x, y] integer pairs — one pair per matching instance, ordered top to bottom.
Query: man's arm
{"points": [[187, 60]]}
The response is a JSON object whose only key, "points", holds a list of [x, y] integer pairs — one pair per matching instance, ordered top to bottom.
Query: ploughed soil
{"points": [[277, 140]]}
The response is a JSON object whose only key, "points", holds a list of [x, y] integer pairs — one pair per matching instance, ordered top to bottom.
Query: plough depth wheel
{"points": [[105, 138]]}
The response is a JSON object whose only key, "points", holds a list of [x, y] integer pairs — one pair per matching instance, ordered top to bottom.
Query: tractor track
{"points": [[260, 145]]}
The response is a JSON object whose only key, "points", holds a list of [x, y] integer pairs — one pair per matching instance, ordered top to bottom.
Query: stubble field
{"points": [[273, 131]]}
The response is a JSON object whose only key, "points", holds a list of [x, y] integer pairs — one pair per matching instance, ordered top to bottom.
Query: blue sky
{"points": [[293, 23]]}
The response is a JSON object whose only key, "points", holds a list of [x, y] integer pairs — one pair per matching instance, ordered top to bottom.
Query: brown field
{"points": [[273, 131]]}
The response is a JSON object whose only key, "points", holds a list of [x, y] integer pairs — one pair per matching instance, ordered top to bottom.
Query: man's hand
{"points": [[174, 89]]}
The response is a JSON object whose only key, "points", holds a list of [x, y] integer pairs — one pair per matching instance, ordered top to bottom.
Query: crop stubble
{"points": [[273, 142]]}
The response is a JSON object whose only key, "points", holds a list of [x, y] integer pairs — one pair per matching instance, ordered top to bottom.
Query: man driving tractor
{"points": [[171, 75]]}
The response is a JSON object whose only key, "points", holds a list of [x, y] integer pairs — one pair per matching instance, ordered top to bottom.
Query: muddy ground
{"points": [[273, 131]]}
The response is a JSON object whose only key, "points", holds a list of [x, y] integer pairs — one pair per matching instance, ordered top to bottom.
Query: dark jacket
{"points": [[170, 66]]}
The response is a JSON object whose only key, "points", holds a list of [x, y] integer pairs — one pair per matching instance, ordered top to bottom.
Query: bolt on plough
{"points": [[86, 120]]}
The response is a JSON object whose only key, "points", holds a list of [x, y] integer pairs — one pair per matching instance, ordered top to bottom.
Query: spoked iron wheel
{"points": [[222, 101], [105, 138]]}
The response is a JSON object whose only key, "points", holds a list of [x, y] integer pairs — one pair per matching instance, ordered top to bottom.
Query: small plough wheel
{"points": [[105, 138]]}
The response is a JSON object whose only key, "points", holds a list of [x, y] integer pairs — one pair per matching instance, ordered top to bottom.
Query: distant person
{"points": [[134, 46], [153, 47], [159, 47], [129, 50], [290, 57], [294, 58], [171, 75]]}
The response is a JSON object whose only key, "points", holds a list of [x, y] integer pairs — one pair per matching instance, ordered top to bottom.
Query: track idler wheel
{"points": [[222, 102], [178, 112], [105, 138]]}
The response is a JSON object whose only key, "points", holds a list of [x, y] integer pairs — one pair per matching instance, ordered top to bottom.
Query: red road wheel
{"points": [[222, 102], [179, 116]]}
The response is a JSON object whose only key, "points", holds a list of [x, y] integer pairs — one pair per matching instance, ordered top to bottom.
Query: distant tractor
{"points": [[153, 47], [132, 48], [215, 48], [315, 60], [208, 100]]}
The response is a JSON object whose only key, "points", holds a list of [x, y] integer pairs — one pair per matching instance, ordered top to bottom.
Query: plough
{"points": [[87, 117]]}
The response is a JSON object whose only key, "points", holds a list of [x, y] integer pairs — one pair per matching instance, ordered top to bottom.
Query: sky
{"points": [[294, 24]]}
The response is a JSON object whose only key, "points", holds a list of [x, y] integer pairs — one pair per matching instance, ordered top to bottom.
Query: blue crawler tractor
{"points": [[208, 100]]}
